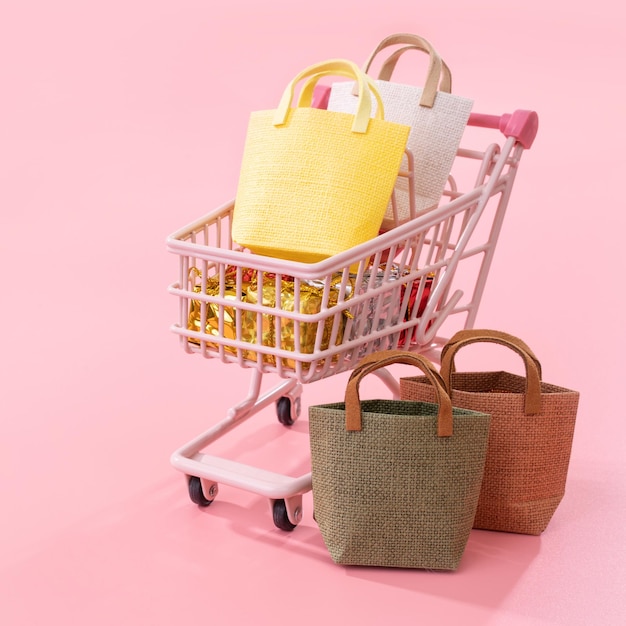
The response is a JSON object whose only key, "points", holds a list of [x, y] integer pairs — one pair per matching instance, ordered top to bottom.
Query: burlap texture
{"points": [[434, 139], [313, 188], [528, 455], [395, 494]]}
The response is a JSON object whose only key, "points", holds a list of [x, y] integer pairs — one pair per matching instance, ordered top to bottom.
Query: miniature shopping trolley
{"points": [[410, 288]]}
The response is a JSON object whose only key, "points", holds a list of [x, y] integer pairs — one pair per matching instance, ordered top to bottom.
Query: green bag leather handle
{"points": [[340, 67], [386, 70], [429, 92], [384, 358], [532, 399]]}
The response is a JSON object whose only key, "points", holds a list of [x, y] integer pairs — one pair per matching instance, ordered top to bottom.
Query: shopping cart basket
{"points": [[411, 288]]}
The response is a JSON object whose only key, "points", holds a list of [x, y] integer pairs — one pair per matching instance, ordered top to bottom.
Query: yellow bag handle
{"points": [[341, 67], [306, 94]]}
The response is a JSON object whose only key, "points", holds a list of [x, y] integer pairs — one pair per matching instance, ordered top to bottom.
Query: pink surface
{"points": [[122, 121]]}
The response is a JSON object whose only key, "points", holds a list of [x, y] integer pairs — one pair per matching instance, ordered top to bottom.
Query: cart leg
{"points": [[245, 406], [210, 488], [294, 508]]}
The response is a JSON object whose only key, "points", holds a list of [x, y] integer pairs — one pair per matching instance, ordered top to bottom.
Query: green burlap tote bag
{"points": [[532, 428], [396, 483]]}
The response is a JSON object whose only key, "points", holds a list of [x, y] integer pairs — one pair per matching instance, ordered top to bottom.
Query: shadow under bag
{"points": [[530, 440], [396, 483]]}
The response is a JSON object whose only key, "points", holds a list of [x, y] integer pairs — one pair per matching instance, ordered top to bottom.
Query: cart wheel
{"points": [[283, 411], [195, 492], [281, 520]]}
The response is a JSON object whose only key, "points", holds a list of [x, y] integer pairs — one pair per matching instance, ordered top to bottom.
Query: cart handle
{"points": [[521, 124]]}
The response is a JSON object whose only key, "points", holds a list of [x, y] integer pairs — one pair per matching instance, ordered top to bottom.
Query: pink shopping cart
{"points": [[411, 287]]}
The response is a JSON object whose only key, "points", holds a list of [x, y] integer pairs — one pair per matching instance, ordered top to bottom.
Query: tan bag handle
{"points": [[386, 71], [429, 91], [384, 358], [532, 398]]}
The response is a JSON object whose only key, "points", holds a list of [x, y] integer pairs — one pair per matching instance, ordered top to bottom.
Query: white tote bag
{"points": [[436, 117]]}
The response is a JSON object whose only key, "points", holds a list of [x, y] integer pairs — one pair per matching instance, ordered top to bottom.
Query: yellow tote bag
{"points": [[314, 183]]}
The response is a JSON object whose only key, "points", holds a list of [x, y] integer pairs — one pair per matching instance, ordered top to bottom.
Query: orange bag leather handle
{"points": [[384, 358], [532, 401]]}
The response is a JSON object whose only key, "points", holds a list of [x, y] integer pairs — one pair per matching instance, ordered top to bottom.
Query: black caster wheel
{"points": [[283, 411], [195, 492], [281, 520]]}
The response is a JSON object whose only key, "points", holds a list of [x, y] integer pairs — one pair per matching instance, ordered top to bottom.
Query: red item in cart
{"points": [[428, 284]]}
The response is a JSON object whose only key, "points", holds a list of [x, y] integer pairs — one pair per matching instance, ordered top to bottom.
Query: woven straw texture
{"points": [[434, 138], [312, 188], [528, 455], [395, 494]]}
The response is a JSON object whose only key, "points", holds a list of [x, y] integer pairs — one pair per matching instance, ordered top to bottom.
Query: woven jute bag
{"points": [[437, 119], [314, 183], [532, 427], [396, 483]]}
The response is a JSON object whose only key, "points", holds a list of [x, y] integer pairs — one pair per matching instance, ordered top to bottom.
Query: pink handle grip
{"points": [[321, 95], [521, 124]]}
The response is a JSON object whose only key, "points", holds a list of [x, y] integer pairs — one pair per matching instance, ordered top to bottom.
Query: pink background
{"points": [[121, 121]]}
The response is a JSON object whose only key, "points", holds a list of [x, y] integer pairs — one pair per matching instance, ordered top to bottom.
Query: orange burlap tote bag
{"points": [[530, 440], [396, 484]]}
